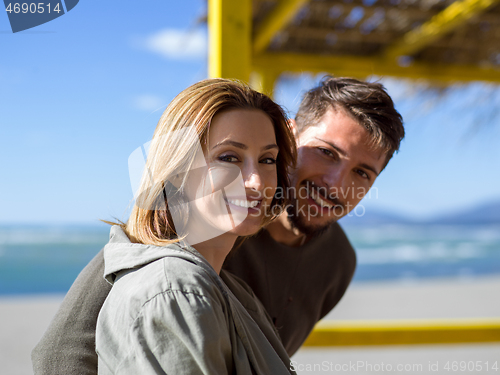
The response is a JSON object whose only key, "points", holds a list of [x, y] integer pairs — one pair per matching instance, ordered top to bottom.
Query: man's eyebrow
{"points": [[242, 145], [269, 147], [336, 148], [343, 153], [370, 168]]}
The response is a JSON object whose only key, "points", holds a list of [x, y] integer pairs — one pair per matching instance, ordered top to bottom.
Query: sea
{"points": [[46, 259]]}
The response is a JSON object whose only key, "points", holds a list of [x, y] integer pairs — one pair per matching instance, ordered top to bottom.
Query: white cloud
{"points": [[178, 44], [149, 103]]}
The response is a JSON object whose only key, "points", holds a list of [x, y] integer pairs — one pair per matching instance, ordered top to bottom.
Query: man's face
{"points": [[335, 169]]}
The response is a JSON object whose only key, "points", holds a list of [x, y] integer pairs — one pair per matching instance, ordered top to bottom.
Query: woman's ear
{"points": [[293, 127]]}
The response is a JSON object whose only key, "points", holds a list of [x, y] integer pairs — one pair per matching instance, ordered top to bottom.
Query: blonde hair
{"points": [[150, 221]]}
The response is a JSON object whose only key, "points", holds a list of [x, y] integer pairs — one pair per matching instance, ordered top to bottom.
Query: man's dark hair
{"points": [[368, 103]]}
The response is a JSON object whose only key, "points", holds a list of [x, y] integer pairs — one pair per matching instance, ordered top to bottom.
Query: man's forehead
{"points": [[337, 124]]}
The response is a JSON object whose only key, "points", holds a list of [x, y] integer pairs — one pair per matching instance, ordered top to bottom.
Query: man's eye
{"points": [[327, 152], [228, 158], [268, 161], [363, 174]]}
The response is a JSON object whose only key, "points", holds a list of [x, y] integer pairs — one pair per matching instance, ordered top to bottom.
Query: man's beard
{"points": [[302, 224]]}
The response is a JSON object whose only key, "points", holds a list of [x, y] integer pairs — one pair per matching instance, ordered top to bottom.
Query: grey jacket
{"points": [[170, 313]]}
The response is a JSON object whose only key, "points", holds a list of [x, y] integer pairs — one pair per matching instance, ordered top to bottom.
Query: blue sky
{"points": [[80, 93]]}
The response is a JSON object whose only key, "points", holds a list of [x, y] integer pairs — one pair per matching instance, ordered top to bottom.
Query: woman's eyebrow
{"points": [[231, 143], [242, 145]]}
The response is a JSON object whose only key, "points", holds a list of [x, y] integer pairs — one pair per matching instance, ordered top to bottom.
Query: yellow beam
{"points": [[450, 18], [277, 19], [230, 33], [364, 67], [264, 81], [367, 333]]}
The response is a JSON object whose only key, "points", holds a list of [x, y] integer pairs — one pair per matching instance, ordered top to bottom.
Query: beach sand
{"points": [[423, 299], [24, 319]]}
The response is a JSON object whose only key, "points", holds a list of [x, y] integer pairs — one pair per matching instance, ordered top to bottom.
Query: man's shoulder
{"points": [[334, 230], [334, 235], [335, 240], [68, 345]]}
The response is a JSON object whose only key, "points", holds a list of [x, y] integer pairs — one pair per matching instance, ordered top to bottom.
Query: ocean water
{"points": [[403, 251], [47, 259]]}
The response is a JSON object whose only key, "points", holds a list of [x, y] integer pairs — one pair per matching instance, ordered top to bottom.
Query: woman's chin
{"points": [[248, 227]]}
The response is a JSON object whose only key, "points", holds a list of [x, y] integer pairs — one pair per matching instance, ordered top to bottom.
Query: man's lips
{"points": [[314, 195], [319, 200]]}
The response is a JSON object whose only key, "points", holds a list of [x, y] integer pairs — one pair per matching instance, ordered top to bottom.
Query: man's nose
{"points": [[337, 179]]}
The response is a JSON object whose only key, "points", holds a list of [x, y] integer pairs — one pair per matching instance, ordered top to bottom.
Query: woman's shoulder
{"points": [[145, 270], [187, 274], [166, 279]]}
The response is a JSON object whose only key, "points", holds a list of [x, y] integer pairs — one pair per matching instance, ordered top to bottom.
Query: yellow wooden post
{"points": [[230, 33], [263, 81]]}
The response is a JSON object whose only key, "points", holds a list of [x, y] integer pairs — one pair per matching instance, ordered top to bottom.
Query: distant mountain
{"points": [[486, 213], [374, 217]]}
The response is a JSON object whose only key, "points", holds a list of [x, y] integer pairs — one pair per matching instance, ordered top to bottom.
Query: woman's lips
{"points": [[244, 203], [251, 207]]}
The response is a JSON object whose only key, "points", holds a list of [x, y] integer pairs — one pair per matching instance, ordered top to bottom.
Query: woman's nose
{"points": [[252, 178]]}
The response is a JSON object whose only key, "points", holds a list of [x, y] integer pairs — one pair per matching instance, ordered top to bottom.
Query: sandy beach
{"points": [[410, 299], [24, 319]]}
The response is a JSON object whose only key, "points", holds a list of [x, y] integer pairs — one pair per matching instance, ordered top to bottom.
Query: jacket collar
{"points": [[120, 254]]}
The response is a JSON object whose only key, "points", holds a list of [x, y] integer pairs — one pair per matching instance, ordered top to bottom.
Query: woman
{"points": [[219, 154]]}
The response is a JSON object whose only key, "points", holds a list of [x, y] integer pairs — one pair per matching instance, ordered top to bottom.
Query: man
{"points": [[301, 264]]}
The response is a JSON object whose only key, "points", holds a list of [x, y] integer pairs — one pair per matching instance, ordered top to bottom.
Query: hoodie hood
{"points": [[120, 254]]}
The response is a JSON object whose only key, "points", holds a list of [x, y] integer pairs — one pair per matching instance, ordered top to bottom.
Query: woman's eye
{"points": [[228, 158], [268, 161]]}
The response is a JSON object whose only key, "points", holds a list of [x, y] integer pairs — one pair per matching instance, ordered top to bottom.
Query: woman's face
{"points": [[233, 195]]}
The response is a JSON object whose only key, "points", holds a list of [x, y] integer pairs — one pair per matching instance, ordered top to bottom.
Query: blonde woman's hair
{"points": [[150, 221]]}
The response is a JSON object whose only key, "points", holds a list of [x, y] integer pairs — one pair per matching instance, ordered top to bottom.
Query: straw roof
{"points": [[459, 37]]}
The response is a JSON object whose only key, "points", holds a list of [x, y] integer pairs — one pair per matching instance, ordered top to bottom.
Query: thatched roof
{"points": [[428, 38]]}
